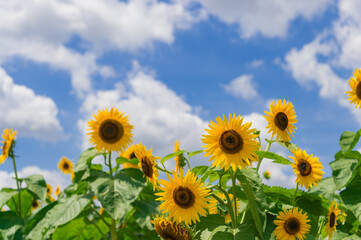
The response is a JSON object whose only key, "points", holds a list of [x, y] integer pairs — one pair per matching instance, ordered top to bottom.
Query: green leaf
{"points": [[349, 140], [290, 146], [190, 154], [172, 155], [276, 158], [121, 160], [82, 167], [344, 168], [200, 170], [37, 185], [252, 185], [326, 187], [116, 193], [6, 194], [351, 197], [26, 202], [144, 209], [63, 212], [33, 220], [207, 224], [11, 226], [245, 231], [221, 232]]}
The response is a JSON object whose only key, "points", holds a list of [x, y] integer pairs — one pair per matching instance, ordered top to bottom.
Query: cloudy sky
{"points": [[173, 66]]}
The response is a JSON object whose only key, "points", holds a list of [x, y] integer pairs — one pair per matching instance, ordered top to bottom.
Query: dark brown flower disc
{"points": [[281, 120], [111, 131], [230, 142], [147, 167], [304, 167], [183, 197], [292, 226]]}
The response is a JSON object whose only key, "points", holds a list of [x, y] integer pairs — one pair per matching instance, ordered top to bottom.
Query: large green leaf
{"points": [[349, 140], [190, 154], [172, 155], [276, 158], [82, 167], [344, 168], [37, 185], [326, 187], [116, 193], [6, 194], [351, 197], [26, 202], [143, 210], [63, 212], [33, 220], [207, 224], [11, 226], [221, 232]]}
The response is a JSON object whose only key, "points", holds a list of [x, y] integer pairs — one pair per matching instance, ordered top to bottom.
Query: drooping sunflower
{"points": [[355, 93], [281, 120], [110, 131], [9, 137], [230, 143], [129, 154], [177, 159], [147, 163], [65, 165], [307, 168], [49, 190], [57, 191], [184, 197], [34, 205], [332, 217], [291, 224], [170, 230]]}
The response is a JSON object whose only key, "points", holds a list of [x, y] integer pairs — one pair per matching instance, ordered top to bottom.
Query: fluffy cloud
{"points": [[269, 18], [241, 87], [23, 110]]}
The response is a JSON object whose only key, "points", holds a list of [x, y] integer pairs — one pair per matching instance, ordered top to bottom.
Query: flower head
{"points": [[355, 93], [9, 137], [129, 154], [147, 163], [65, 165], [332, 217], [291, 224], [170, 230]]}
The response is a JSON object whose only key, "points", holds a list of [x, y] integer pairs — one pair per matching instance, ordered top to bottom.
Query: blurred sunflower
{"points": [[355, 93], [280, 120], [110, 131], [9, 137], [230, 143], [129, 154], [147, 163], [65, 165], [179, 165], [307, 168], [49, 190], [57, 190], [184, 198], [34, 205], [101, 210], [332, 217], [291, 224], [170, 230]]}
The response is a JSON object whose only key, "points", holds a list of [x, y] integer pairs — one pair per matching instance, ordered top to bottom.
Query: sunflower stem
{"points": [[266, 150], [110, 164], [163, 169], [233, 175], [17, 180], [294, 197], [220, 200], [229, 206], [100, 216], [123, 226], [319, 229], [113, 231]]}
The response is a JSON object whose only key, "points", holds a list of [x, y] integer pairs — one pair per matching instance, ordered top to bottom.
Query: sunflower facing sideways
{"points": [[355, 93], [280, 120], [110, 131], [9, 137], [230, 143], [129, 154], [147, 163], [65, 165], [307, 168], [49, 190], [184, 197], [34, 205], [332, 217], [291, 224], [170, 230]]}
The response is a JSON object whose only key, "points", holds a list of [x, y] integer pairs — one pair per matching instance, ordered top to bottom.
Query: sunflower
{"points": [[355, 84], [280, 120], [110, 131], [9, 137], [230, 143], [129, 154], [177, 159], [147, 164], [65, 165], [307, 168], [49, 190], [57, 191], [184, 197], [34, 205], [213, 208], [101, 210], [332, 217], [291, 224], [170, 230]]}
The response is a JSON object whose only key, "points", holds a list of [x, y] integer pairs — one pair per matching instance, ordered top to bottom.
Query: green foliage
{"points": [[349, 140], [276, 158], [37, 185], [11, 226]]}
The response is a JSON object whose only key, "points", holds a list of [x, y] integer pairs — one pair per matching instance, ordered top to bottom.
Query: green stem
{"points": [[266, 150], [110, 164], [163, 169], [17, 182], [234, 195], [294, 197], [220, 200], [229, 206], [100, 216], [126, 222], [319, 229], [113, 231]]}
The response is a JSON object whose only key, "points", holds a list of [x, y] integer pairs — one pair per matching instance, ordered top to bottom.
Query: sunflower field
{"points": [[126, 199]]}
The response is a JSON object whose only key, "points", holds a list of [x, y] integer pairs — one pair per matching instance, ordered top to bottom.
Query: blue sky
{"points": [[170, 65]]}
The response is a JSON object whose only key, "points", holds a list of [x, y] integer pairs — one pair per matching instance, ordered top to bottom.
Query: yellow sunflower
{"points": [[355, 93], [280, 120], [110, 131], [9, 137], [230, 143], [129, 154], [177, 159], [147, 163], [65, 165], [307, 168], [49, 190], [57, 191], [184, 198], [34, 205], [101, 210], [332, 217], [291, 224], [170, 230]]}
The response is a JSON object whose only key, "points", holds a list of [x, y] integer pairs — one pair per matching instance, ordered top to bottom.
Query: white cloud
{"points": [[269, 18], [256, 63], [242, 87], [30, 114]]}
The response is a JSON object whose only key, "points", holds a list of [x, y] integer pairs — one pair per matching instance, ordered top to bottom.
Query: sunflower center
{"points": [[358, 90], [281, 120], [111, 131], [231, 142], [132, 155], [66, 166], [147, 167], [304, 167], [48, 190], [183, 197], [35, 203], [332, 219], [292, 225]]}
